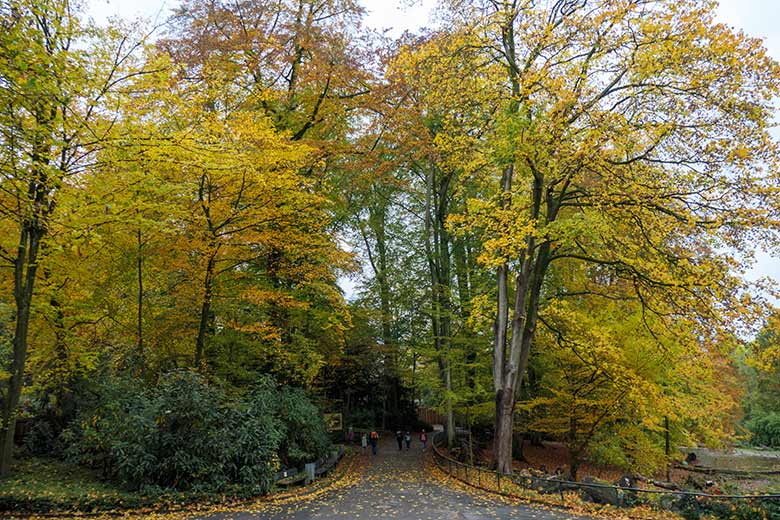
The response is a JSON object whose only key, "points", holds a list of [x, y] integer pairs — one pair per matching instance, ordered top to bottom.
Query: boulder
{"points": [[695, 482], [546, 485], [600, 495]]}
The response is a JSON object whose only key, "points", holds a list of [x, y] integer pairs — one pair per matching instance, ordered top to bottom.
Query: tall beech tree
{"points": [[58, 87], [619, 118], [415, 158]]}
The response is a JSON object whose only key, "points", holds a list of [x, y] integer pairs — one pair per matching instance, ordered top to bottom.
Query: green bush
{"points": [[766, 430], [305, 434], [186, 435], [710, 509]]}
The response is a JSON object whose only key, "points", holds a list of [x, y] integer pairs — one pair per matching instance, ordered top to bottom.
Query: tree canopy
{"points": [[545, 209]]}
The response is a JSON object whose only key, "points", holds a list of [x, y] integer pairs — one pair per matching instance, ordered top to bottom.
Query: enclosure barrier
{"points": [[291, 476], [687, 503]]}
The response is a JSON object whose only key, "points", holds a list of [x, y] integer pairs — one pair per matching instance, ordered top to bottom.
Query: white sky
{"points": [[759, 18]]}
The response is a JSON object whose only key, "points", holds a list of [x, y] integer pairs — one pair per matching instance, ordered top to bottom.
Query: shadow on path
{"points": [[394, 485]]}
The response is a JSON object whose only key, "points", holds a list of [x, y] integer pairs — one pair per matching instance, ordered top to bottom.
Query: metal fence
{"points": [[291, 476], [689, 504]]}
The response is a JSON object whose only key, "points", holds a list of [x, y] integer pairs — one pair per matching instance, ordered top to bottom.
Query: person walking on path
{"points": [[351, 436], [373, 438], [399, 438], [408, 439], [424, 439], [364, 442]]}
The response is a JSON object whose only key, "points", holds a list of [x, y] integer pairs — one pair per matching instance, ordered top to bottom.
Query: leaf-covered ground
{"points": [[43, 484], [398, 485]]}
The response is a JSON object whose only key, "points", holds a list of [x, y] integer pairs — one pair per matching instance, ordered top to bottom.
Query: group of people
{"points": [[372, 439]]}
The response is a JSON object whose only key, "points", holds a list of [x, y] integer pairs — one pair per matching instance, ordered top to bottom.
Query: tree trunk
{"points": [[32, 230], [437, 251], [459, 253], [25, 268], [445, 297], [204, 311], [140, 323], [505, 411], [502, 434], [518, 442], [667, 449], [574, 466]]}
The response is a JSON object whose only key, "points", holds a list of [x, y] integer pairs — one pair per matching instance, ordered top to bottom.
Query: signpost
{"points": [[334, 422]]}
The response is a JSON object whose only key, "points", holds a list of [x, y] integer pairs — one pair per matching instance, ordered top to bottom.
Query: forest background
{"points": [[182, 201]]}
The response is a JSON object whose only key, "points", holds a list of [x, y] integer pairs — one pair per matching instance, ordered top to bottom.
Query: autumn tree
{"points": [[296, 62], [59, 81], [621, 118], [614, 380]]}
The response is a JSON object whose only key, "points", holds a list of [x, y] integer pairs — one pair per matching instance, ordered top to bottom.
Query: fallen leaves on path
{"points": [[512, 494]]}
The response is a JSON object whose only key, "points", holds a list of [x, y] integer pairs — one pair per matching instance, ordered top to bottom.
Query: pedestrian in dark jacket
{"points": [[373, 438], [399, 438]]}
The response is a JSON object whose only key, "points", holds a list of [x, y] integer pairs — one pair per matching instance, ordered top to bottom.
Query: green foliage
{"points": [[759, 364], [766, 429], [186, 435], [306, 437], [693, 509]]}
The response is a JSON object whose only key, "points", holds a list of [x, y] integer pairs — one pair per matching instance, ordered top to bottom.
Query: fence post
{"points": [[310, 469]]}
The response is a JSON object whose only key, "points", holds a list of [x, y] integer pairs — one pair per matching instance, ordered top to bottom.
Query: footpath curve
{"points": [[392, 485]]}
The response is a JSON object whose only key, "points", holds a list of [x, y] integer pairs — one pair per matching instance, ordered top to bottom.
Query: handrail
{"points": [[570, 484]]}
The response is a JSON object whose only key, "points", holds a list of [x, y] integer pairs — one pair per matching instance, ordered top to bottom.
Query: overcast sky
{"points": [[760, 18]]}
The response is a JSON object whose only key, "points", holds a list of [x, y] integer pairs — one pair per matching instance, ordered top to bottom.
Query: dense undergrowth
{"points": [[180, 439]]}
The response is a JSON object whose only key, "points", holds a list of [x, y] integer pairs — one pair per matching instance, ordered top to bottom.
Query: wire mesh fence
{"points": [[689, 504]]}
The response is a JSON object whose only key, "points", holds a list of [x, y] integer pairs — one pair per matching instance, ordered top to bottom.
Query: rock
{"points": [[524, 478], [695, 482], [546, 485], [665, 485], [600, 495], [628, 496], [667, 502]]}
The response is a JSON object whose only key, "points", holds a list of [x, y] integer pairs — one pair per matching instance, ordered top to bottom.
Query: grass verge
{"points": [[48, 486]]}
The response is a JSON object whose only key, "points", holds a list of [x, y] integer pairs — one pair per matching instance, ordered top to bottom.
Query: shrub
{"points": [[766, 430], [186, 435], [306, 437]]}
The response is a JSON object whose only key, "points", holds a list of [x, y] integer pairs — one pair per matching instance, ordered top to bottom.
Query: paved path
{"points": [[394, 485]]}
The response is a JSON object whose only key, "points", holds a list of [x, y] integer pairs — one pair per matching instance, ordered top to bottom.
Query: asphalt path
{"points": [[394, 485]]}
